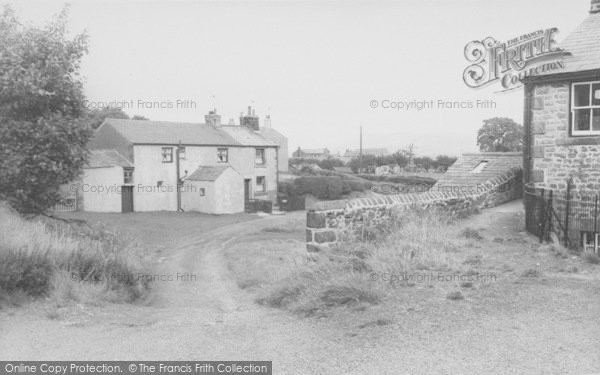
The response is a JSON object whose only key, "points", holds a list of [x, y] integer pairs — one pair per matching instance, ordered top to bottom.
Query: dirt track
{"points": [[552, 328]]}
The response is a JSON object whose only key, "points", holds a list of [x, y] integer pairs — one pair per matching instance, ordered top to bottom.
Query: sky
{"points": [[321, 70]]}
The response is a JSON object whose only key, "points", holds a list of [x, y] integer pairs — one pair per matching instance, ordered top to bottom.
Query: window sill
{"points": [[579, 140], [260, 165], [260, 193]]}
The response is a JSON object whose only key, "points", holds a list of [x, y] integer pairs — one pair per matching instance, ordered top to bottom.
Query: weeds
{"points": [[471, 234], [591, 258], [53, 259], [340, 276]]}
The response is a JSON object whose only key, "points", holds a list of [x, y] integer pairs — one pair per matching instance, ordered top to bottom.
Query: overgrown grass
{"points": [[51, 258], [343, 275]]}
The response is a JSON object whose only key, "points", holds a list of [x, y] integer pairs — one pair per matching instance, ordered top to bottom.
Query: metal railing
{"points": [[572, 217]]}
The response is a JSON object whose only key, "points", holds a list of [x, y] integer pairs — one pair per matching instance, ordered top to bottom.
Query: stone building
{"points": [[562, 126], [473, 170]]}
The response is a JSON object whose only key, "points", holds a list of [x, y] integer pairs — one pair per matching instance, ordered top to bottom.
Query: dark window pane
{"points": [[596, 94], [582, 95], [581, 119], [596, 120]]}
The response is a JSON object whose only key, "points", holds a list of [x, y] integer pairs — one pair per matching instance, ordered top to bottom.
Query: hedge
{"points": [[321, 187]]}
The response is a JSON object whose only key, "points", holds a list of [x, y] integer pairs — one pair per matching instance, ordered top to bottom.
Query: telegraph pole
{"points": [[360, 156]]}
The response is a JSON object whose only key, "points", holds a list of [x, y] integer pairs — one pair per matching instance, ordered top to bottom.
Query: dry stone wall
{"points": [[329, 222]]}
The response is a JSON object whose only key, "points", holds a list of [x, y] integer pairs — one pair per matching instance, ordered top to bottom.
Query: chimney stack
{"points": [[595, 8], [212, 118], [250, 120], [267, 122]]}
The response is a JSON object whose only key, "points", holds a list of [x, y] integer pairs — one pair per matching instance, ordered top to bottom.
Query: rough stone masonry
{"points": [[330, 222]]}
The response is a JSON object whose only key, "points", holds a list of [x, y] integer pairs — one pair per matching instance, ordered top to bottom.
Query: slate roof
{"points": [[583, 45], [166, 132], [246, 136], [103, 158], [498, 163], [207, 173]]}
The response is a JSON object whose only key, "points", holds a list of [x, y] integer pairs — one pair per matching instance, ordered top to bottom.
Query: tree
{"points": [[95, 117], [42, 130], [500, 134], [424, 162], [444, 162]]}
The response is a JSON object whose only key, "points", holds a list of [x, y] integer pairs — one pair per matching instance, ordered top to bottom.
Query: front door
{"points": [[246, 192], [126, 198]]}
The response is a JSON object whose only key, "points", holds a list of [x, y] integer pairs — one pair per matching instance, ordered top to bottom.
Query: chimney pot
{"points": [[595, 6]]}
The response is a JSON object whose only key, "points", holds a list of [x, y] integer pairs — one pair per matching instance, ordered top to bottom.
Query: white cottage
{"points": [[164, 155]]}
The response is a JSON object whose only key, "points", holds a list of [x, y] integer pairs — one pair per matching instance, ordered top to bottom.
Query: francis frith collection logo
{"points": [[509, 62]]}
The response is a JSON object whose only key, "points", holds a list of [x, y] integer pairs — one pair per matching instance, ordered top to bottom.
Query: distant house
{"points": [[311, 153], [353, 154], [161, 159], [383, 170], [472, 171]]}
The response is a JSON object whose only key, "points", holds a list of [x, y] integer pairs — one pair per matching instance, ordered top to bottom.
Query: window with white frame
{"points": [[585, 108], [181, 153], [167, 154], [222, 155], [260, 156], [127, 175], [261, 184]]}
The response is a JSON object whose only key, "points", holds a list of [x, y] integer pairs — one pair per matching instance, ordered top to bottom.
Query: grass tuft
{"points": [[472, 234], [51, 258], [591, 258], [341, 276], [455, 295]]}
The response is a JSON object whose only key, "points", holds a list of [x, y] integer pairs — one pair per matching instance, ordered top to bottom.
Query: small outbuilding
{"points": [[106, 183], [213, 190]]}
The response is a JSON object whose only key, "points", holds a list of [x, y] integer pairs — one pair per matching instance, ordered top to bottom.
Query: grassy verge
{"points": [[52, 259], [359, 273]]}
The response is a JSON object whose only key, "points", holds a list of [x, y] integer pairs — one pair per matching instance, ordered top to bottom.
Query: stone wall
{"points": [[555, 155], [329, 222]]}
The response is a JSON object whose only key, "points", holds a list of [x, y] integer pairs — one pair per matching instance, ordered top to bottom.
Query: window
{"points": [[585, 108], [181, 153], [167, 154], [223, 155], [260, 156], [479, 167], [127, 175], [159, 183], [261, 184], [202, 192]]}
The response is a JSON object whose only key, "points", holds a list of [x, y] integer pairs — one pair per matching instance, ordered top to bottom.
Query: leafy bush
{"points": [[322, 187]]}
